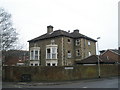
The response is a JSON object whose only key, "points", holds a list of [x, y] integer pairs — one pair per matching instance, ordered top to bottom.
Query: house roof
{"points": [[58, 33], [112, 50], [115, 51], [15, 53], [94, 60]]}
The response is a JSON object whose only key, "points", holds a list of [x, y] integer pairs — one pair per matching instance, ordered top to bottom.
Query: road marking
{"points": [[17, 86], [84, 87]]}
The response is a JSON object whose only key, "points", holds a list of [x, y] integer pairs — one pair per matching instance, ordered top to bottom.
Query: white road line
{"points": [[84, 87]]}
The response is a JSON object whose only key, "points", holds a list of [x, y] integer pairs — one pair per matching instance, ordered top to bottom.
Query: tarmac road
{"points": [[111, 82]]}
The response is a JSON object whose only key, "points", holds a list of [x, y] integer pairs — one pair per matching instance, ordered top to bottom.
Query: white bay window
{"points": [[51, 52], [34, 53]]}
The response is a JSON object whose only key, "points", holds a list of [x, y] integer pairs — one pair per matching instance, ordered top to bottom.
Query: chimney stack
{"points": [[49, 29], [69, 31], [76, 31]]}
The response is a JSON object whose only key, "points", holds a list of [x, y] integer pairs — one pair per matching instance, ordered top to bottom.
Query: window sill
{"points": [[69, 58], [51, 59], [34, 60]]}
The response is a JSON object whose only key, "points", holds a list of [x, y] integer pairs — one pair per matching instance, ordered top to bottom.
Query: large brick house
{"points": [[60, 48]]}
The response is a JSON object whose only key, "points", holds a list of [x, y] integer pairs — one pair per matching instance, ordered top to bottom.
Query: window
{"points": [[68, 40], [77, 42], [84, 43], [89, 43], [54, 51], [51, 52], [77, 52], [34, 53], [48, 53], [89, 53], [69, 54], [36, 64], [48, 64], [53, 64]]}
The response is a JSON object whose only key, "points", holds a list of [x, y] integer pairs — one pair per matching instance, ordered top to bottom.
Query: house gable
{"points": [[112, 51], [111, 54]]}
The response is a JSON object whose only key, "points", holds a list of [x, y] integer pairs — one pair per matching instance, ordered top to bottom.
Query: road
{"points": [[111, 82]]}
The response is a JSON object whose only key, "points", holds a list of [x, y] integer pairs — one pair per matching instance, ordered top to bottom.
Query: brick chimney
{"points": [[49, 29], [76, 31]]}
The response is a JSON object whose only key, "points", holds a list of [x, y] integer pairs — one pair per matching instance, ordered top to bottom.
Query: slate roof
{"points": [[58, 33], [116, 51], [15, 53], [94, 60]]}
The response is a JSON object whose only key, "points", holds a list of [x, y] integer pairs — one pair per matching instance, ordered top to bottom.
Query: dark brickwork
{"points": [[14, 73]]}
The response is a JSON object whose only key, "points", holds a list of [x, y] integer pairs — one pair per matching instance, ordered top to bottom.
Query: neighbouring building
{"points": [[60, 48], [113, 54], [15, 58], [93, 60]]}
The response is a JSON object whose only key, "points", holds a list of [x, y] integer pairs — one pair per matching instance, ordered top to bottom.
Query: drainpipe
{"points": [[62, 51]]}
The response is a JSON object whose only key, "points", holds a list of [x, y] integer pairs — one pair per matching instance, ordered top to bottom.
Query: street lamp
{"points": [[98, 57]]}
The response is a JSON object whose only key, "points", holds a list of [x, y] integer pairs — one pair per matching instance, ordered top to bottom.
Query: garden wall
{"points": [[38, 73]]}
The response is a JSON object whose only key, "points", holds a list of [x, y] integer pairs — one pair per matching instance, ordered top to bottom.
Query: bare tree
{"points": [[8, 34]]}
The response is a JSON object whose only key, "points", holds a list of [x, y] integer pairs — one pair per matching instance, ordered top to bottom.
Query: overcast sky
{"points": [[94, 18]]}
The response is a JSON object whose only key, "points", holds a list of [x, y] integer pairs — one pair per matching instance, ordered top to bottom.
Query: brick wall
{"points": [[111, 55], [14, 73]]}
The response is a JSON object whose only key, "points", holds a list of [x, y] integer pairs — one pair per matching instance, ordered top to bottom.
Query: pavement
{"points": [[75, 83]]}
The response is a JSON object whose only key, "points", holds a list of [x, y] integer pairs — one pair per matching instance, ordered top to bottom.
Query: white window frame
{"points": [[77, 41], [89, 43], [51, 47], [34, 49], [89, 53]]}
